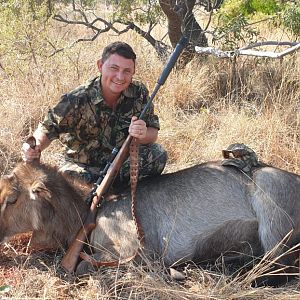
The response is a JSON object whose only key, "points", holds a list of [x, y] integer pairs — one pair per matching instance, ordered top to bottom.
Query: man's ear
{"points": [[100, 64]]}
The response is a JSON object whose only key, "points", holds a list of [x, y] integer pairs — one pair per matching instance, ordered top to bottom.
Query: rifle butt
{"points": [[70, 259]]}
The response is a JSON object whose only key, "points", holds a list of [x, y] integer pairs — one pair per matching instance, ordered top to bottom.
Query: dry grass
{"points": [[200, 115], [36, 275]]}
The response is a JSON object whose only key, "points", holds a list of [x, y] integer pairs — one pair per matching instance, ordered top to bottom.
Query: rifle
{"points": [[70, 258]]}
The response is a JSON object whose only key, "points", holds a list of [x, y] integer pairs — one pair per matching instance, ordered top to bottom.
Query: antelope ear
{"points": [[9, 177], [9, 190], [38, 190]]}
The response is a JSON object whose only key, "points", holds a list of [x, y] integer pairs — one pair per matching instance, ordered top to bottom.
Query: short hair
{"points": [[120, 48]]}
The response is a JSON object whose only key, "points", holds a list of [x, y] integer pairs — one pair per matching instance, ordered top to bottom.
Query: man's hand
{"points": [[138, 128], [33, 152], [29, 154]]}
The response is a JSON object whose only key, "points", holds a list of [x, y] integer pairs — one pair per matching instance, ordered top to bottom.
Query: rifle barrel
{"points": [[166, 71]]}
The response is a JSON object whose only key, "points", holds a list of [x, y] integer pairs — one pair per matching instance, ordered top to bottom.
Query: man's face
{"points": [[117, 72]]}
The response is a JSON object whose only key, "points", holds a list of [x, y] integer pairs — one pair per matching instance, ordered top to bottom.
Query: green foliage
{"points": [[81, 3], [249, 7], [267, 7], [30, 9], [231, 9], [142, 12], [235, 17], [291, 18], [232, 25], [23, 30], [233, 31]]}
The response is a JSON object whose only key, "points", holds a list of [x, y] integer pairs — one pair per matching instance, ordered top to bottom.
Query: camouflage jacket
{"points": [[90, 129]]}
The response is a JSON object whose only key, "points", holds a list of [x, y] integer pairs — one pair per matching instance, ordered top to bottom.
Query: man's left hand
{"points": [[137, 128]]}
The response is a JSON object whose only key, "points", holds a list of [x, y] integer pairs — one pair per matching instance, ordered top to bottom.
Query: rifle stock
{"points": [[70, 259]]}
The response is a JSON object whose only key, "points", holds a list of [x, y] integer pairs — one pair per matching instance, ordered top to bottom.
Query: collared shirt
{"points": [[90, 129]]}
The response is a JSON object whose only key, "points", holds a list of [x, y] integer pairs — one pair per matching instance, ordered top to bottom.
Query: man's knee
{"points": [[157, 159], [152, 161], [78, 171]]}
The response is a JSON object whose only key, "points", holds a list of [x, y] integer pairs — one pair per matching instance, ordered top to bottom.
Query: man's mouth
{"points": [[118, 83]]}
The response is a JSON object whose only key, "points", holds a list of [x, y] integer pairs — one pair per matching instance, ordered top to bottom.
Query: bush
{"points": [[267, 7], [235, 16], [291, 18], [232, 24]]}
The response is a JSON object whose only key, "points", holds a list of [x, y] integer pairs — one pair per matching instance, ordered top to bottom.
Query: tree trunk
{"points": [[174, 21], [181, 21]]}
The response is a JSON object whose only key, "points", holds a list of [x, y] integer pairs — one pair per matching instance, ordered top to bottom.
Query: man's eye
{"points": [[113, 68]]}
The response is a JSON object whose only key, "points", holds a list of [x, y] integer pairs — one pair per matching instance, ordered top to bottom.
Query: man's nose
{"points": [[120, 75]]}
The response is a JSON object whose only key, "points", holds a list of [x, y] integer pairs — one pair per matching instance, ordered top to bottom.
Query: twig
{"points": [[294, 46]]}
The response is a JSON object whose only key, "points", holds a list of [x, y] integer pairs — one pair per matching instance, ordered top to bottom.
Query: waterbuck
{"points": [[196, 214]]}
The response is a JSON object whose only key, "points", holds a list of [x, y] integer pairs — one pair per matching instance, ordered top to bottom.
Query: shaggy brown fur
{"points": [[38, 199]]}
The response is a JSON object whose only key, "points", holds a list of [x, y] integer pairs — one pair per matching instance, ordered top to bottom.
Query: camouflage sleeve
{"points": [[61, 118], [150, 118]]}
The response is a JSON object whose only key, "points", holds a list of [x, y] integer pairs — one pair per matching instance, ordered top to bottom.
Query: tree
{"points": [[139, 14], [181, 21], [233, 21]]}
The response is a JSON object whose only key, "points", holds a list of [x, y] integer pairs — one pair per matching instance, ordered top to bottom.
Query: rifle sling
{"points": [[134, 172]]}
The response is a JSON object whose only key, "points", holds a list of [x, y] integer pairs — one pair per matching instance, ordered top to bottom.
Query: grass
{"points": [[200, 115], [36, 276]]}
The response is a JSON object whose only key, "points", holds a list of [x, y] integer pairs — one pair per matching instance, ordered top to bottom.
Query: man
{"points": [[93, 119]]}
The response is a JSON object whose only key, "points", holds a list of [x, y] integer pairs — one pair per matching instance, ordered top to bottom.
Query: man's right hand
{"points": [[29, 154]]}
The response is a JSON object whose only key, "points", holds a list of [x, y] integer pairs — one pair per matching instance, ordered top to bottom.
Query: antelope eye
{"points": [[12, 199]]}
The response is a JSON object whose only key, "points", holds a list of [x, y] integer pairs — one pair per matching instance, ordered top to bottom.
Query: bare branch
{"points": [[79, 11], [209, 20], [87, 24], [90, 25], [100, 25], [78, 41], [271, 43], [293, 46], [161, 48]]}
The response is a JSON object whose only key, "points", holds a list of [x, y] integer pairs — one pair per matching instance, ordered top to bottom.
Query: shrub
{"points": [[291, 18]]}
